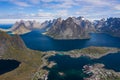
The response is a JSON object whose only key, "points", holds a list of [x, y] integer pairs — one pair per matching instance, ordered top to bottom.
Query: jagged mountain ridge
{"points": [[99, 23], [111, 26], [23, 27], [71, 28], [79, 28]]}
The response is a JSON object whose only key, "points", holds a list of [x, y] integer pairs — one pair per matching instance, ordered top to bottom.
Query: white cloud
{"points": [[35, 1], [97, 2], [20, 3], [61, 4], [117, 7], [65, 8], [61, 13], [12, 21]]}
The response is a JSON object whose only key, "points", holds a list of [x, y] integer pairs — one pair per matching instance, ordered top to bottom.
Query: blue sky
{"points": [[50, 9]]}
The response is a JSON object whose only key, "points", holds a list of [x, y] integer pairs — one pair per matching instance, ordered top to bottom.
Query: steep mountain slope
{"points": [[99, 23], [112, 26], [71, 28], [7, 42], [12, 47]]}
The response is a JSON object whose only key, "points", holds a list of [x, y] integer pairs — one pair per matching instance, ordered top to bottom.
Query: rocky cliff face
{"points": [[99, 23], [46, 25], [110, 26], [71, 28], [8, 42]]}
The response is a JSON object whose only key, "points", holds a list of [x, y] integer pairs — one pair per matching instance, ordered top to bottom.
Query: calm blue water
{"points": [[5, 26], [35, 40], [111, 61], [8, 65], [72, 67]]}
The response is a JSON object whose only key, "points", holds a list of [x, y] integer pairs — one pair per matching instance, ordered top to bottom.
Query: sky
{"points": [[41, 10]]}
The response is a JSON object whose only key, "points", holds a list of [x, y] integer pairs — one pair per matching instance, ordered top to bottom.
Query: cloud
{"points": [[35, 1], [97, 2], [20, 3], [58, 4], [117, 7], [49, 9], [61, 13], [12, 21]]}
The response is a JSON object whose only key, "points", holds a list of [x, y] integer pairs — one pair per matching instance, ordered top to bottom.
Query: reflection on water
{"points": [[35, 40], [111, 61]]}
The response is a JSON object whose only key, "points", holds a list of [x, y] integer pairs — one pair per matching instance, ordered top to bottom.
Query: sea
{"points": [[71, 68]]}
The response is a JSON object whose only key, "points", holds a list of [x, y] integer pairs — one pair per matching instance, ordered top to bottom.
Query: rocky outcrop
{"points": [[71, 28], [98, 72]]}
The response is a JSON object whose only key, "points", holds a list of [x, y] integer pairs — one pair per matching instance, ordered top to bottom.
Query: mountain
{"points": [[99, 23], [45, 25], [110, 26], [24, 27], [71, 28], [10, 42], [13, 48]]}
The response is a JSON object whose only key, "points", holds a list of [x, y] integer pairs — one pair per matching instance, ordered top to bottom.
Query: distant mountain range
{"points": [[110, 26], [24, 27], [71, 28]]}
